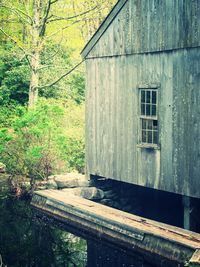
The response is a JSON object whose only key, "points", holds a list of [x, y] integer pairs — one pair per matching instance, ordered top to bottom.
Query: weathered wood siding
{"points": [[151, 25], [148, 42], [112, 120], [186, 121]]}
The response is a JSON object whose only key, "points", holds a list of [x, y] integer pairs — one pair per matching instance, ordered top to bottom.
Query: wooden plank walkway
{"points": [[154, 240]]}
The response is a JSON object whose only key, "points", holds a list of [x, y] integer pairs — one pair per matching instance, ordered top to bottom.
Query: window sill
{"points": [[148, 146]]}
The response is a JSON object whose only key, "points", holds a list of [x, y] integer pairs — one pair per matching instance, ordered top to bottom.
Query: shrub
{"points": [[14, 76], [9, 113], [41, 143]]}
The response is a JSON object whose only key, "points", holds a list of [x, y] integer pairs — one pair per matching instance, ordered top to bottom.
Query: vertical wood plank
{"points": [[112, 97]]}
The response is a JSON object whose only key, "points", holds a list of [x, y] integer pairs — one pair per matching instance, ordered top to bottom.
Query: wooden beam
{"points": [[154, 240]]}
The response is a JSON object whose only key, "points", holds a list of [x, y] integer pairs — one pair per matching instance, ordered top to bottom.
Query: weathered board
{"points": [[147, 26], [146, 43], [112, 120], [164, 244]]}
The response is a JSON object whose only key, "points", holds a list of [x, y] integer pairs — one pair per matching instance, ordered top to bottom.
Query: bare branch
{"points": [[52, 2], [26, 7], [18, 11], [50, 16], [56, 18], [9, 20], [44, 20], [81, 28], [61, 30], [19, 46], [53, 55], [51, 66], [61, 77]]}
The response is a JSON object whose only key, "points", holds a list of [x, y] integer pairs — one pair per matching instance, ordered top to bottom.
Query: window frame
{"points": [[140, 144]]}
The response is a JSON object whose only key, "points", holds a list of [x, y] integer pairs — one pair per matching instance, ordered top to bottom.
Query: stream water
{"points": [[27, 240]]}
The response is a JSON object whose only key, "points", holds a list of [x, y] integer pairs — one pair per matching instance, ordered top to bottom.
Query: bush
{"points": [[14, 76], [9, 113], [41, 143], [73, 153]]}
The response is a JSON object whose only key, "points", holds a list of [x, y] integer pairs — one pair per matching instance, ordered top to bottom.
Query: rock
{"points": [[2, 168], [51, 177], [70, 180], [51, 184], [42, 187], [91, 193], [110, 194], [107, 202], [110, 203]]}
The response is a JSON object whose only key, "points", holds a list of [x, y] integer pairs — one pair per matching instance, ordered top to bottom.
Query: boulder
{"points": [[2, 168], [51, 177], [70, 180], [51, 184], [91, 193], [110, 194], [110, 203]]}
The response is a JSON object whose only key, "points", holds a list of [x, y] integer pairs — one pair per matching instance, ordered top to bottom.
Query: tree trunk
{"points": [[35, 59], [34, 81]]}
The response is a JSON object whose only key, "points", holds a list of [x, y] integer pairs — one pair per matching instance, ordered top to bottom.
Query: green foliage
{"points": [[59, 60], [14, 77], [15, 85], [76, 87], [9, 113], [5, 137], [49, 139], [41, 142], [35, 149], [32, 151], [73, 152], [188, 264]]}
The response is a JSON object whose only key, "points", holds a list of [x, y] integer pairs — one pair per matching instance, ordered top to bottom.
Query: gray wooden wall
{"points": [[149, 26], [116, 67], [112, 120]]}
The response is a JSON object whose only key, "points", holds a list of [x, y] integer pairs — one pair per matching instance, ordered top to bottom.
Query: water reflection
{"points": [[30, 239], [26, 241], [101, 254]]}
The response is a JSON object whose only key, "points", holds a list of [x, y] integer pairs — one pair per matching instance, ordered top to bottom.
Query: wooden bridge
{"points": [[156, 241]]}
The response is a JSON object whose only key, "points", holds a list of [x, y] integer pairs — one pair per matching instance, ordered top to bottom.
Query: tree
{"points": [[38, 22], [90, 24]]}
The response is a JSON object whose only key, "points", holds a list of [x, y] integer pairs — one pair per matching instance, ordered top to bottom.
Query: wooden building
{"points": [[143, 95]]}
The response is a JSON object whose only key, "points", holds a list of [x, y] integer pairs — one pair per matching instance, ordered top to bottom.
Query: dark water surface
{"points": [[27, 240]]}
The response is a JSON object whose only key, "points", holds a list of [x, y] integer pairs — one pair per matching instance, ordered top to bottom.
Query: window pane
{"points": [[142, 96], [154, 96], [148, 98], [148, 106], [143, 109], [148, 109], [154, 110], [144, 124], [150, 124], [155, 124], [144, 137], [150, 137], [155, 137]]}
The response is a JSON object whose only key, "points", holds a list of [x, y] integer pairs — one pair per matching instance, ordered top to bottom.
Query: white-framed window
{"points": [[148, 116]]}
